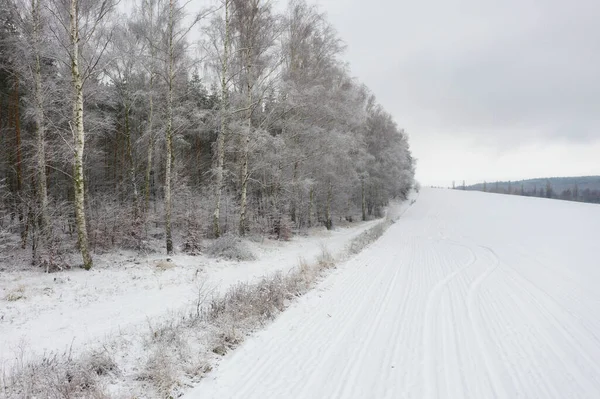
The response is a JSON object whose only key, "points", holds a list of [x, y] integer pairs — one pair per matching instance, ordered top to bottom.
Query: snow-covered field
{"points": [[123, 292], [469, 295]]}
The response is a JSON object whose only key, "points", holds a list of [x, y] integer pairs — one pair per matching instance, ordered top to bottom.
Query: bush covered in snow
{"points": [[359, 242], [229, 247]]}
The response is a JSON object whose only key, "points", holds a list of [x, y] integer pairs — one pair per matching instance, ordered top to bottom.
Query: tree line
{"points": [[120, 128], [538, 188]]}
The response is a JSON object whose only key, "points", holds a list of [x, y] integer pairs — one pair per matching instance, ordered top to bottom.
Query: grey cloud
{"points": [[514, 66]]}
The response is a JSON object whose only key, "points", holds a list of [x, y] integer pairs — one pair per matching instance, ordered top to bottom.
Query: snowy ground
{"points": [[122, 293], [469, 295]]}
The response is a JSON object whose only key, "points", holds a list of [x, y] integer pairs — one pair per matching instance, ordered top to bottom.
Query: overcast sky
{"points": [[487, 89]]}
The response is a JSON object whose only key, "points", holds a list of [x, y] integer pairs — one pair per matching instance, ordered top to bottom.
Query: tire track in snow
{"points": [[353, 288], [488, 334], [573, 341], [352, 368], [429, 372], [498, 386]]}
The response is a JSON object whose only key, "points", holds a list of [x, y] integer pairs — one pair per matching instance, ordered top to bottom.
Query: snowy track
{"points": [[470, 295]]}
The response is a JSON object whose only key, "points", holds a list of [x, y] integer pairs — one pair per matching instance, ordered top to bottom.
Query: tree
{"points": [[31, 22], [82, 22], [253, 26], [173, 52], [126, 74], [224, 114], [290, 138], [549, 191]]}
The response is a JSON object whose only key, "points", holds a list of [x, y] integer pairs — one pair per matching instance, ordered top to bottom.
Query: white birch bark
{"points": [[224, 110], [79, 139]]}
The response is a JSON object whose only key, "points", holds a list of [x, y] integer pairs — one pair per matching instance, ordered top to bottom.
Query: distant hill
{"points": [[582, 188]]}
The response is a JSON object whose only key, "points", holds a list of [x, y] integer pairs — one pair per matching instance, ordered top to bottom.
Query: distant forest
{"points": [[583, 189]]}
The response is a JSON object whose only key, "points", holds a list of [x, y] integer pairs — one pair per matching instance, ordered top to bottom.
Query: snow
{"points": [[124, 292], [468, 295]]}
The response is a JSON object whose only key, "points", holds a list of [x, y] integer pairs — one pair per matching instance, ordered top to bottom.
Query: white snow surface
{"points": [[123, 293], [468, 295]]}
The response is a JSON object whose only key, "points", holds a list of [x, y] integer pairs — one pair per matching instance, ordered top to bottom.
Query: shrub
{"points": [[359, 242], [229, 246], [325, 259], [60, 376]]}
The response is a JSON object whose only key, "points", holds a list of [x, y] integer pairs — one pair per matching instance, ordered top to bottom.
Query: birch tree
{"points": [[83, 24], [255, 32], [174, 50], [125, 72], [223, 114], [289, 137]]}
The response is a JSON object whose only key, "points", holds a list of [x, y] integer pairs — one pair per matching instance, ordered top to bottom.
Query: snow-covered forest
{"points": [[123, 127]]}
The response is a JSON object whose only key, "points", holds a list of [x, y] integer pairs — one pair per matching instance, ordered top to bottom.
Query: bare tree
{"points": [[83, 22], [255, 31], [27, 45], [224, 114]]}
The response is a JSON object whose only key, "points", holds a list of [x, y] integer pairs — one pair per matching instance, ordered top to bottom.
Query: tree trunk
{"points": [[150, 118], [39, 127], [223, 131], [169, 138], [79, 139], [246, 150], [149, 161], [131, 163], [19, 167], [244, 188], [294, 194], [311, 196], [363, 200], [328, 220], [43, 223]]}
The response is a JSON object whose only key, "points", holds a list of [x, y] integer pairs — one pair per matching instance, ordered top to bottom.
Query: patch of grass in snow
{"points": [[369, 236], [325, 259], [16, 294], [221, 323], [59, 376]]}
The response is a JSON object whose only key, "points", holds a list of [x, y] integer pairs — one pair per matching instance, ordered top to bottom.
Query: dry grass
{"points": [[371, 235], [325, 260], [165, 264], [16, 294], [60, 376]]}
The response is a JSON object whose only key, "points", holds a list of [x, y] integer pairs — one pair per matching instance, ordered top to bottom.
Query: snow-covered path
{"points": [[469, 295]]}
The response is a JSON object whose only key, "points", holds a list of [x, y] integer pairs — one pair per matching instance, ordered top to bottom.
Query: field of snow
{"points": [[469, 295], [42, 313]]}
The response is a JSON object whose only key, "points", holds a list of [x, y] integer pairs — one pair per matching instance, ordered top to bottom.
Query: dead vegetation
{"points": [[361, 241], [229, 247], [16, 294], [60, 376]]}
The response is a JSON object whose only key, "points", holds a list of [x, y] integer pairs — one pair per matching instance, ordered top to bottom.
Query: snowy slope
{"points": [[122, 293], [469, 295]]}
